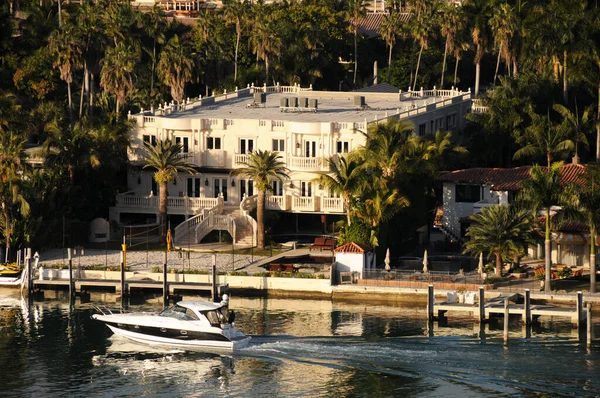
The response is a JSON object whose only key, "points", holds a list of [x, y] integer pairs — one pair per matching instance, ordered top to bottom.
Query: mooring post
{"points": [[70, 257], [123, 265], [29, 276], [214, 278], [165, 285], [430, 300], [481, 304], [579, 309], [527, 313], [506, 320], [589, 324]]}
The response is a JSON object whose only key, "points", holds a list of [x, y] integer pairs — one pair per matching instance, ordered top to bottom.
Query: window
{"points": [[451, 120], [439, 123], [422, 129], [432, 130], [151, 139], [183, 141], [213, 142], [246, 145], [278, 145], [342, 147], [193, 187], [277, 188], [305, 189], [468, 193]]}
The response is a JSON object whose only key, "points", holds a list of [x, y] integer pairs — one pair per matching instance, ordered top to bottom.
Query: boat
{"points": [[187, 324]]}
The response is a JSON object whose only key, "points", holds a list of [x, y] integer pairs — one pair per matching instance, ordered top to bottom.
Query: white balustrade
{"points": [[240, 158], [296, 162], [275, 202], [304, 203], [332, 205]]}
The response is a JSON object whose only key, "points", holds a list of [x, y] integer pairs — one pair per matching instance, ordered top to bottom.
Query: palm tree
{"points": [[356, 11], [235, 12], [478, 14], [451, 23], [503, 24], [156, 25], [390, 28], [423, 30], [265, 41], [66, 49], [175, 67], [117, 73], [575, 126], [543, 138], [167, 160], [262, 167], [13, 168], [344, 178], [542, 192], [584, 206], [379, 207], [502, 231]]}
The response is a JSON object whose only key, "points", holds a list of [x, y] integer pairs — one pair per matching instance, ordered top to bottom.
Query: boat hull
{"points": [[151, 333]]}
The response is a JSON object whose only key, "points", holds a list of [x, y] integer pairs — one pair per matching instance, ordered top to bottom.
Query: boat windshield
{"points": [[178, 312], [216, 317]]}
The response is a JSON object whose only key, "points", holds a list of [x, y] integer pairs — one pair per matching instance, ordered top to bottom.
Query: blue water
{"points": [[300, 348]]}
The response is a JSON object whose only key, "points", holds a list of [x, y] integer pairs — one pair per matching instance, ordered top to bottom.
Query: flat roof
{"points": [[332, 107]]}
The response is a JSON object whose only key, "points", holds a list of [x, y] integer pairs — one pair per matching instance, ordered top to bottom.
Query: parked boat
{"points": [[189, 323]]}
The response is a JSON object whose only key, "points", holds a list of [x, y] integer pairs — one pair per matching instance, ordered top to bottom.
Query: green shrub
{"points": [[565, 272], [238, 273], [494, 279]]}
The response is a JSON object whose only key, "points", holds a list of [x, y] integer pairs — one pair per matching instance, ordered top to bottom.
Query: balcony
{"points": [[306, 163], [175, 204]]}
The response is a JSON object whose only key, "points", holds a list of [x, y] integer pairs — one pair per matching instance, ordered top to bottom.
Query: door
{"points": [[184, 143], [246, 145], [310, 149], [193, 187], [220, 187], [246, 187], [277, 188], [306, 188]]}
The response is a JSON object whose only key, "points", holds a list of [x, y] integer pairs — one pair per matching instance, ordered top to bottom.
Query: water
{"points": [[300, 348]]}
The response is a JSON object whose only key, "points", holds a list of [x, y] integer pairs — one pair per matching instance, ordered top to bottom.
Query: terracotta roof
{"points": [[369, 24], [508, 179], [352, 247]]}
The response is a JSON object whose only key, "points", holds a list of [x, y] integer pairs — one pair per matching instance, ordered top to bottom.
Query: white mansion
{"points": [[306, 127]]}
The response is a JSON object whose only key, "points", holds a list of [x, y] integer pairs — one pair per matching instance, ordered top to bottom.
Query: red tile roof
{"points": [[369, 24], [509, 179], [352, 247]]}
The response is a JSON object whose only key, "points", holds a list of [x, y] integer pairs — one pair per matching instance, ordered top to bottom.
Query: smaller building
{"points": [[354, 258]]}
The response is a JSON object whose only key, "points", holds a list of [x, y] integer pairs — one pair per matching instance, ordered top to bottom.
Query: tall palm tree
{"points": [[356, 11], [235, 12], [478, 15], [155, 23], [451, 23], [503, 24], [390, 28], [422, 31], [266, 43], [66, 49], [175, 67], [117, 74], [575, 126], [543, 138], [167, 160], [262, 167], [13, 168], [344, 178], [542, 192], [584, 206], [379, 207], [502, 231]]}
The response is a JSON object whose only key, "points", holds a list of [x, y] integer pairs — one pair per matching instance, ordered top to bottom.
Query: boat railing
{"points": [[104, 310]]}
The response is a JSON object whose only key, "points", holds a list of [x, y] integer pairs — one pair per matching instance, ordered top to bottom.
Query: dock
{"points": [[83, 285]]}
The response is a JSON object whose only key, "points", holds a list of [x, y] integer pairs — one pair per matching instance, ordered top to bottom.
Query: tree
{"points": [[356, 11], [235, 12], [478, 14], [155, 23], [451, 23], [503, 24], [390, 28], [423, 30], [265, 41], [66, 48], [175, 67], [117, 74], [575, 126], [543, 138], [167, 159], [262, 167], [13, 169], [344, 178], [541, 193], [584, 206], [501, 231]]}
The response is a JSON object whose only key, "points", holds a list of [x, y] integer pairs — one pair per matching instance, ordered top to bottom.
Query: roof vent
{"points": [[260, 101], [359, 102]]}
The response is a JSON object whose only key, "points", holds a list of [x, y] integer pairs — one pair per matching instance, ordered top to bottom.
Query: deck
{"points": [[115, 285]]}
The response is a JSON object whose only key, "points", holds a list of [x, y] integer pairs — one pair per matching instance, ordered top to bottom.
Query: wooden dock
{"points": [[82, 285], [513, 309]]}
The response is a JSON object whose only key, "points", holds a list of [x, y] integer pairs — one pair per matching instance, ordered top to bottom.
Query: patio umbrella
{"points": [[387, 260], [425, 262], [480, 269]]}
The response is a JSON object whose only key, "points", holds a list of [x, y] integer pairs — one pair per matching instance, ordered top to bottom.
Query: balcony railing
{"points": [[304, 163], [276, 202], [304, 203], [176, 204], [332, 205]]}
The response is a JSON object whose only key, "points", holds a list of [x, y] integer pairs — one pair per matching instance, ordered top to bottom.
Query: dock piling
{"points": [[214, 278], [165, 285], [71, 287], [430, 300], [527, 303], [481, 304], [579, 310], [506, 321], [589, 324]]}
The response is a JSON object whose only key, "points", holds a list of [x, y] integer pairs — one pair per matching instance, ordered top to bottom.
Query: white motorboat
{"points": [[187, 324]]}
